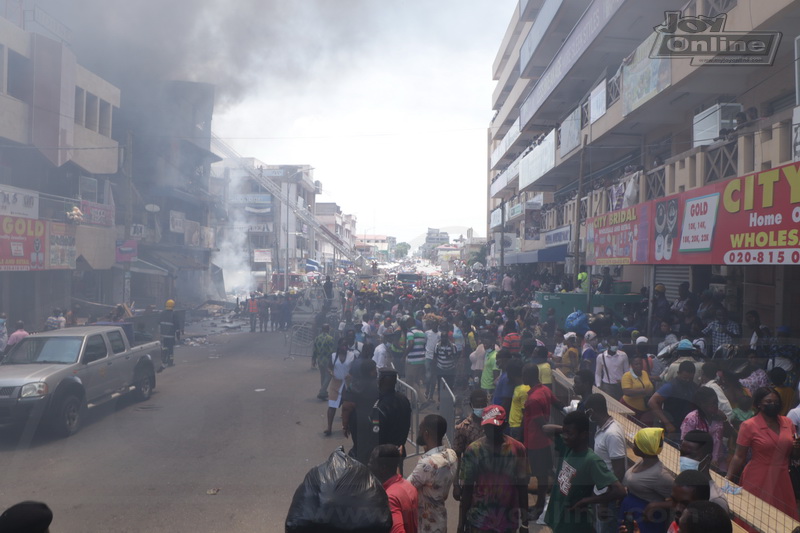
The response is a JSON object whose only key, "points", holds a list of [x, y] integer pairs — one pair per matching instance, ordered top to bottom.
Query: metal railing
{"points": [[613, 88], [722, 161], [656, 183]]}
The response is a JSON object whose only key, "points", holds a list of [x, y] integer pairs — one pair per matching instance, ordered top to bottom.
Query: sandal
{"points": [[327, 433]]}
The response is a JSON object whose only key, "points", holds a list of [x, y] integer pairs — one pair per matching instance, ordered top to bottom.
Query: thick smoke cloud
{"points": [[240, 46]]}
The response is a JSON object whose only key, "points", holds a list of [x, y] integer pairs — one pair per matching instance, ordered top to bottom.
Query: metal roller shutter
{"points": [[672, 276]]}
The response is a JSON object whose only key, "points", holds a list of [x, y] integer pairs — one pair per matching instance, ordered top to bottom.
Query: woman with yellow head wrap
{"points": [[649, 483]]}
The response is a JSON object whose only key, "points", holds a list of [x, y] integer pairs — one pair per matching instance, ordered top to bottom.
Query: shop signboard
{"points": [[597, 102], [570, 132], [538, 161], [250, 199], [19, 202], [97, 214], [496, 218], [749, 220], [177, 221], [557, 236], [620, 237], [22, 244], [127, 251], [62, 252], [262, 255]]}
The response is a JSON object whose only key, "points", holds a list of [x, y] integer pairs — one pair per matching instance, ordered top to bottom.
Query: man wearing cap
{"points": [[169, 325], [589, 351], [686, 352], [611, 366], [494, 479]]}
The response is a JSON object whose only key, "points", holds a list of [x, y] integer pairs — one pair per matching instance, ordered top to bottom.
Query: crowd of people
{"points": [[726, 401]]}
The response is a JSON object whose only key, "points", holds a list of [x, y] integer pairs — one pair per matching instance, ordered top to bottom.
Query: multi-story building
{"points": [[613, 146], [57, 167], [172, 216], [339, 226], [433, 238], [295, 241], [384, 245]]}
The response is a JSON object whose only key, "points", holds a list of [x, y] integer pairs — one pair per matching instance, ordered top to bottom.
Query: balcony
{"points": [[502, 148], [506, 178]]}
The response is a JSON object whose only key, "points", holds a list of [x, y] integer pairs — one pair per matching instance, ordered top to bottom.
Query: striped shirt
{"points": [[416, 340], [446, 357]]}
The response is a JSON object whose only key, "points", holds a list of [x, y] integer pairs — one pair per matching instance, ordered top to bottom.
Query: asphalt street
{"points": [[233, 417], [221, 446]]}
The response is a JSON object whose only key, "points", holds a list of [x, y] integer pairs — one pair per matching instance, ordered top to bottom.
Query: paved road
{"points": [[232, 415]]}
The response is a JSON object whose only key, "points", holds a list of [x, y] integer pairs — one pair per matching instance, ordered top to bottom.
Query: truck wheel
{"points": [[144, 386], [67, 419]]}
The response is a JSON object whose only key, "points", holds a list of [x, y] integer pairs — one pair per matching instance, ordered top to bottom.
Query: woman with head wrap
{"points": [[649, 484]]}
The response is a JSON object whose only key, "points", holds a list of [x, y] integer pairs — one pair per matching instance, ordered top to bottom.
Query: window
{"points": [[20, 78], [80, 105], [116, 341], [95, 349]]}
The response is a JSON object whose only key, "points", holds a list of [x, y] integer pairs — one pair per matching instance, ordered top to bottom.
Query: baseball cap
{"points": [[660, 288], [426, 306], [570, 335], [590, 335], [642, 340], [686, 344], [494, 415]]}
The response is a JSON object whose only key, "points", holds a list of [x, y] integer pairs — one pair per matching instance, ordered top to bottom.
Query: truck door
{"points": [[122, 359], [96, 373]]}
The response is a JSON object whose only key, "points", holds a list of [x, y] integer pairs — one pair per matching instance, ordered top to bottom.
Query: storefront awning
{"points": [[554, 254], [173, 261], [143, 267]]}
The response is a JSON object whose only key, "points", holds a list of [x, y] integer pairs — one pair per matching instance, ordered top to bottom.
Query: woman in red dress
{"points": [[771, 439]]}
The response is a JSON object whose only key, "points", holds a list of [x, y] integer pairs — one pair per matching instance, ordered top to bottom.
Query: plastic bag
{"points": [[577, 322], [339, 495]]}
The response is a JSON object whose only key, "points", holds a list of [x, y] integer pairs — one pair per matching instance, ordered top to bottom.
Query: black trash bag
{"points": [[340, 495]]}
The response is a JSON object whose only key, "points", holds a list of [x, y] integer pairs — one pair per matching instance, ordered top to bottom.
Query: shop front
{"points": [[738, 237]]}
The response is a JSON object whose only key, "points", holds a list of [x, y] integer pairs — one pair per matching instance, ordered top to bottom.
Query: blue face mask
{"points": [[477, 412], [687, 463]]}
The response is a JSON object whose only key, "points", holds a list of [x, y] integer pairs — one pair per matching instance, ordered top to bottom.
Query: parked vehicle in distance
{"points": [[52, 377]]}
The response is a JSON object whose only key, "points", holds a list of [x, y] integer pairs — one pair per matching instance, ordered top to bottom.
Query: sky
{"points": [[389, 101], [396, 130]]}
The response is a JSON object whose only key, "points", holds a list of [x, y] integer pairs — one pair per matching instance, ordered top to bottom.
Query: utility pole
{"points": [[127, 170], [577, 228], [502, 240]]}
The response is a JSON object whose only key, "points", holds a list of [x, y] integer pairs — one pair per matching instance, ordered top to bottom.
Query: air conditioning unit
{"points": [[708, 123], [317, 187]]}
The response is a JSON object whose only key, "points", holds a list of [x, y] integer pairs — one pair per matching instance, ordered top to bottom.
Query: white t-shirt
{"points": [[432, 339], [381, 357], [794, 416], [609, 442]]}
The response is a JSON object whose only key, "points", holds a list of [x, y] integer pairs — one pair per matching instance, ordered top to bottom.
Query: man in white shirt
{"points": [[431, 340], [610, 367], [709, 379], [609, 445]]}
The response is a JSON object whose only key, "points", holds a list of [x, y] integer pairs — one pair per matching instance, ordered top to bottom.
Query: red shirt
{"points": [[512, 342], [540, 398], [403, 503]]}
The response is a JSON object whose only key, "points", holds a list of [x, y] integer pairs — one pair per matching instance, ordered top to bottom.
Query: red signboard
{"points": [[97, 214], [752, 219], [620, 237], [23, 244]]}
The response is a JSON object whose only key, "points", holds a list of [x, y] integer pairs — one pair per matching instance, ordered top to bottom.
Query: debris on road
{"points": [[212, 492]]}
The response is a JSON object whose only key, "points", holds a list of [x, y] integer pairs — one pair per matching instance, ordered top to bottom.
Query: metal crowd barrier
{"points": [[301, 340], [413, 397], [447, 408], [745, 506]]}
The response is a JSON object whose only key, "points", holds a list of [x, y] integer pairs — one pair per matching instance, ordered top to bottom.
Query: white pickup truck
{"points": [[52, 377]]}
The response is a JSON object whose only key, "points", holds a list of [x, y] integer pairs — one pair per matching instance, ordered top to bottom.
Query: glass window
{"points": [[116, 341], [95, 348]]}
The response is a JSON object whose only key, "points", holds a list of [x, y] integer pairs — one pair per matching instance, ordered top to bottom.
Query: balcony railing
{"points": [[613, 88], [722, 162], [656, 183]]}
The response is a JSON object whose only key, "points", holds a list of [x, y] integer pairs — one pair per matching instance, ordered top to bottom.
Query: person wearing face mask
{"points": [[707, 417], [469, 430], [771, 439], [696, 449]]}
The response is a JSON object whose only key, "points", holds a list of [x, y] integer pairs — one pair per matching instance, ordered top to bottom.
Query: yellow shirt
{"points": [[569, 360], [545, 374], [642, 382], [517, 404]]}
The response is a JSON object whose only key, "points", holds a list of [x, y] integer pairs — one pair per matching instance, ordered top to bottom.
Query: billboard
{"points": [[619, 237]]}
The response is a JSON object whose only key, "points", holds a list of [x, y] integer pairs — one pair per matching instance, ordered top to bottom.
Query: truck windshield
{"points": [[42, 350]]}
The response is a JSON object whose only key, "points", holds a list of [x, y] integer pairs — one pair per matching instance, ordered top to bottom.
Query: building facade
{"points": [[58, 163], [656, 165]]}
